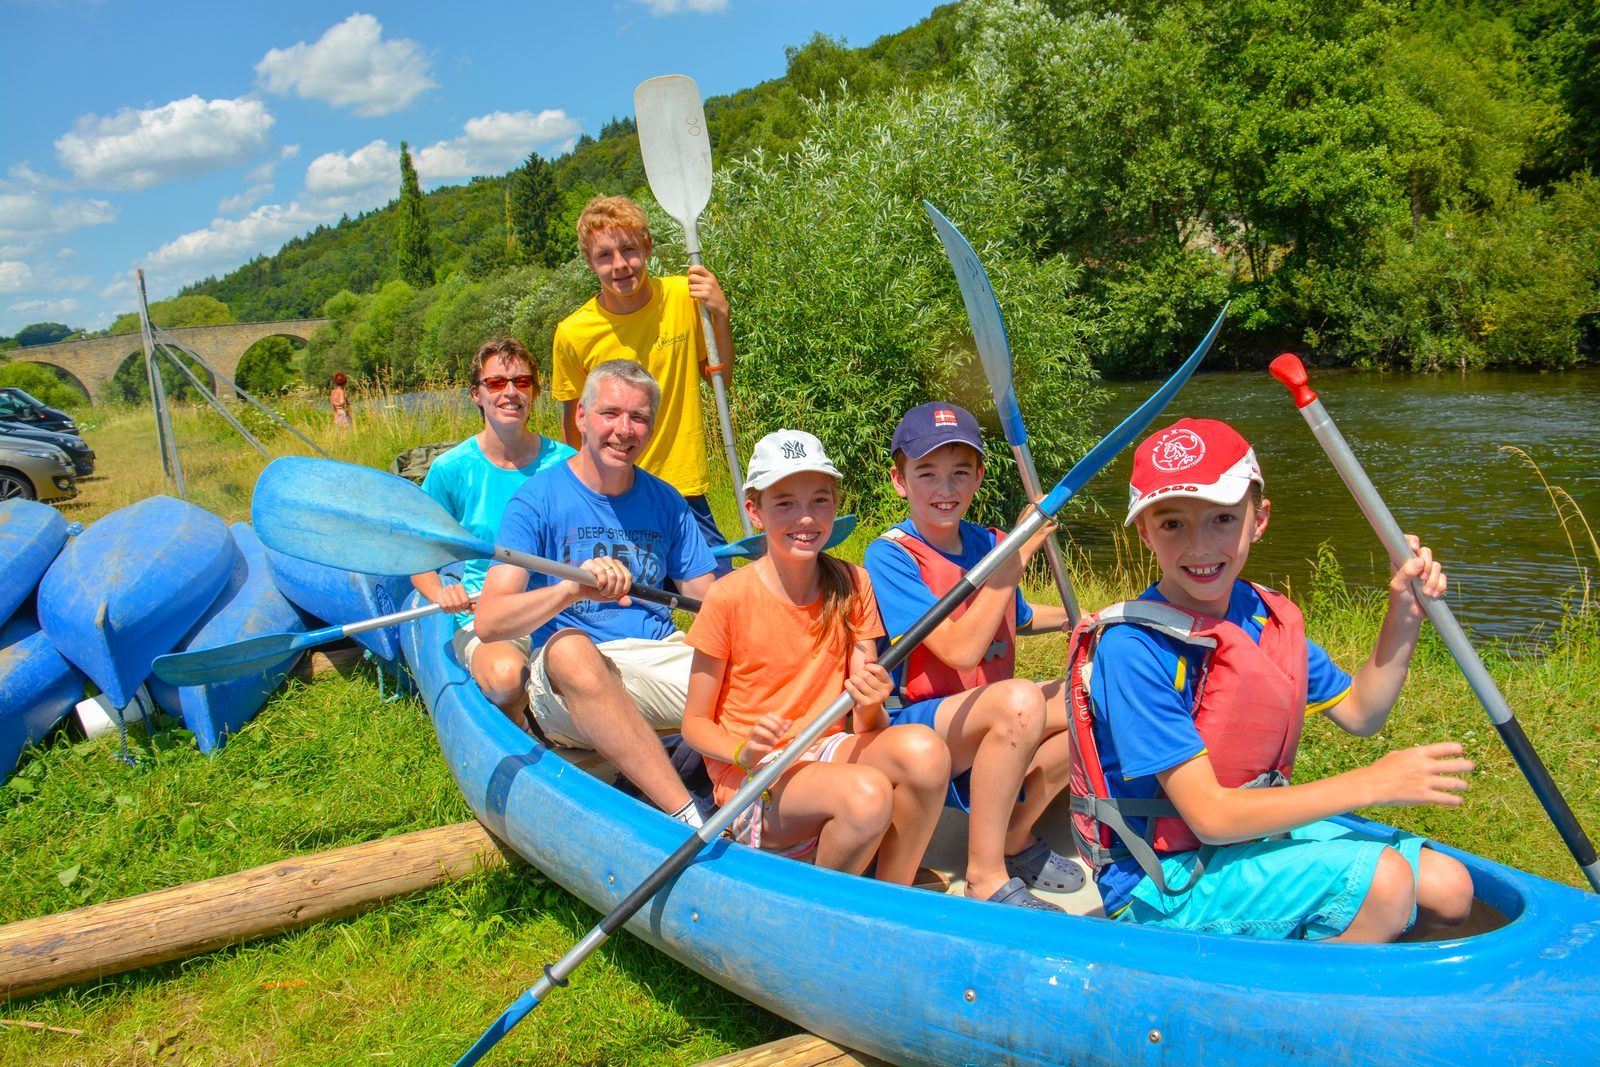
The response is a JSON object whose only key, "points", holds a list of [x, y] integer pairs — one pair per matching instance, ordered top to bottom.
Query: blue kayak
{"points": [[31, 536], [129, 587], [340, 597], [250, 605], [37, 688], [916, 977]]}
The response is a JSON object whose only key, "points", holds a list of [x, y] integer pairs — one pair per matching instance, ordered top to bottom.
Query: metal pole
{"points": [[158, 397], [211, 398]]}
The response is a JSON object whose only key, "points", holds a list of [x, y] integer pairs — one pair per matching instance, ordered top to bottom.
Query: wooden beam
{"points": [[171, 924], [801, 1050]]}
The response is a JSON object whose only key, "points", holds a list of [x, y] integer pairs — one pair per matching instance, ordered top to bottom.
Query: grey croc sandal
{"points": [[1042, 867], [1017, 895]]}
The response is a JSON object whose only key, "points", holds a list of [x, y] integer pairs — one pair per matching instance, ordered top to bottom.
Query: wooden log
{"points": [[171, 924], [801, 1050]]}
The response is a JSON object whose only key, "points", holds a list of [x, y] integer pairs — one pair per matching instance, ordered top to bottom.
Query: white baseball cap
{"points": [[785, 452]]}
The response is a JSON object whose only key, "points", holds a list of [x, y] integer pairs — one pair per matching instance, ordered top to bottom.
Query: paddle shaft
{"points": [[719, 387], [1093, 462], [1052, 550], [584, 578], [1444, 621], [555, 975]]}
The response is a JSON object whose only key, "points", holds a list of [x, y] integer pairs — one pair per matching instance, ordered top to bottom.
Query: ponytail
{"points": [[838, 583]]}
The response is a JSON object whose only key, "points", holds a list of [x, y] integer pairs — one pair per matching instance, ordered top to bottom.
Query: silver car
{"points": [[32, 470]]}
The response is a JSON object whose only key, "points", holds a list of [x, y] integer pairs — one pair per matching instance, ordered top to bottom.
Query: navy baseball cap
{"points": [[927, 426]]}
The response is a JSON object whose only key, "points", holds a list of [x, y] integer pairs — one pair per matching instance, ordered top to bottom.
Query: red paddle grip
{"points": [[1288, 369]]}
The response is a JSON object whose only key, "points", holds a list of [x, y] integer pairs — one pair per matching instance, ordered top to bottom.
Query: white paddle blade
{"points": [[674, 144], [983, 311]]}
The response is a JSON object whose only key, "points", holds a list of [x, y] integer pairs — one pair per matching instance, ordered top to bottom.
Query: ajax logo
{"points": [[1176, 451]]}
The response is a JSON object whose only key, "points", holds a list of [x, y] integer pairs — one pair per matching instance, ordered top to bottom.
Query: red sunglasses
{"points": [[496, 382]]}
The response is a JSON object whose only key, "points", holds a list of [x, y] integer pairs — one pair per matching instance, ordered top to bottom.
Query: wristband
{"points": [[738, 750]]}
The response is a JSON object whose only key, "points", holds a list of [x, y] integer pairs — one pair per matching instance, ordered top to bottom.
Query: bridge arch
{"points": [[93, 361]]}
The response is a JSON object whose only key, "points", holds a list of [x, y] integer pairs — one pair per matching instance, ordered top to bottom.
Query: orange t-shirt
{"points": [[773, 661]]}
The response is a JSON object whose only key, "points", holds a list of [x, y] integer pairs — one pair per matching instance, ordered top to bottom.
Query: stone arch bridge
{"points": [[92, 361]]}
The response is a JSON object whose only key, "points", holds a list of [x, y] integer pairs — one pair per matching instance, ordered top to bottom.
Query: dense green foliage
{"points": [[1387, 183], [413, 244], [41, 383]]}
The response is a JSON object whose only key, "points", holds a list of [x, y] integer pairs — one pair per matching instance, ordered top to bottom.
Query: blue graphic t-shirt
{"points": [[476, 492], [556, 516], [903, 597], [1142, 687]]}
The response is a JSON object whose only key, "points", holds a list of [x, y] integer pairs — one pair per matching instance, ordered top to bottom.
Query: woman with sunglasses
{"points": [[473, 481]]}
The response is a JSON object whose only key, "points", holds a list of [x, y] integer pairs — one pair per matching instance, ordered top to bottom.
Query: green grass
{"points": [[330, 764]]}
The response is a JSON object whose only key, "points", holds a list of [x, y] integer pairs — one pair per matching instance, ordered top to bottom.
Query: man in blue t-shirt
{"points": [[608, 672]]}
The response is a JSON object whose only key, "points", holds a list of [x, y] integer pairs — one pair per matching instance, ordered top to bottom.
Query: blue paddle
{"points": [[994, 352], [1288, 369], [373, 522], [755, 546], [207, 665], [555, 975]]}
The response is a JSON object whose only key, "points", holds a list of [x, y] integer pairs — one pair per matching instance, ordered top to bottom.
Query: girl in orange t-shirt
{"points": [[775, 643]]}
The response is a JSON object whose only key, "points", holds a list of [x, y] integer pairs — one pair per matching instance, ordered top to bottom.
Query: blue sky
{"points": [[186, 138]]}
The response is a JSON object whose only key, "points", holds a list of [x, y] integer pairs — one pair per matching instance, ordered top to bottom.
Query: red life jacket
{"points": [[926, 675], [1250, 704]]}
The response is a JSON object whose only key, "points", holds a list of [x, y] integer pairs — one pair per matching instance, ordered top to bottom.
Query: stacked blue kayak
{"points": [[31, 536], [131, 586], [340, 597], [250, 605]]}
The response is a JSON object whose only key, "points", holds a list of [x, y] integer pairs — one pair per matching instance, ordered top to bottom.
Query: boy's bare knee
{"points": [[1019, 712], [922, 756], [1444, 889], [1392, 894]]}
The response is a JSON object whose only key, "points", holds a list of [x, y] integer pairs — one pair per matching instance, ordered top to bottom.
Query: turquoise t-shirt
{"points": [[476, 492]]}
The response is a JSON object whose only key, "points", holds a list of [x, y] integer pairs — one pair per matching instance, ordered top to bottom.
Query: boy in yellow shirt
{"points": [[653, 322]]}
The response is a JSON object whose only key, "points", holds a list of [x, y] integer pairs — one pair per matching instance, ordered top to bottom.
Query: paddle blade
{"points": [[674, 144], [988, 328], [1132, 426], [356, 518], [755, 546], [259, 654]]}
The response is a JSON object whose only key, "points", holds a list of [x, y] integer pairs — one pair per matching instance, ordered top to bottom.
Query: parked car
{"points": [[18, 406], [75, 447], [33, 470]]}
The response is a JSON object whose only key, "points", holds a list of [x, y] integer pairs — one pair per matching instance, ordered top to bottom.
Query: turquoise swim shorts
{"points": [[1307, 886]]}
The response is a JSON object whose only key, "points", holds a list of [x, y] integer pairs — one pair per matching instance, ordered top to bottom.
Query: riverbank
{"points": [[331, 763]]}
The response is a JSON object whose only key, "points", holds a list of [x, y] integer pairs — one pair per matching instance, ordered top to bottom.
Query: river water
{"points": [[1432, 446]]}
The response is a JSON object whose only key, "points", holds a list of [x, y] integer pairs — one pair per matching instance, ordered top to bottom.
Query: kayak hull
{"points": [[31, 536], [129, 587], [339, 597], [250, 605], [38, 687], [916, 977]]}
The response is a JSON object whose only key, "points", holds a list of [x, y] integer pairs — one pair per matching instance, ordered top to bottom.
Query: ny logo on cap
{"points": [[944, 417], [794, 450], [1177, 450]]}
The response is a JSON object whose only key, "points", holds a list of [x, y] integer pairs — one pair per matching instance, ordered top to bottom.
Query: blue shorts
{"points": [[709, 530], [1307, 887]]}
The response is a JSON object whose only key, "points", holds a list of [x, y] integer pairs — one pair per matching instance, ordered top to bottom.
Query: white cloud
{"points": [[673, 7], [350, 66], [493, 143], [137, 149], [364, 179], [229, 205], [26, 214], [227, 242], [15, 276], [46, 309]]}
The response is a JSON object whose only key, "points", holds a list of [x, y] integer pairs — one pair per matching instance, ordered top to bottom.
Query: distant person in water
{"points": [[654, 322], [340, 402], [474, 481], [609, 672]]}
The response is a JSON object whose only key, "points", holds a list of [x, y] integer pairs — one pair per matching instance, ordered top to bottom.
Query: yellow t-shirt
{"points": [[663, 337]]}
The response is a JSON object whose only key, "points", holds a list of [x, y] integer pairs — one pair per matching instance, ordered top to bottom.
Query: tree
{"points": [[535, 211], [413, 249], [179, 311], [43, 333]]}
